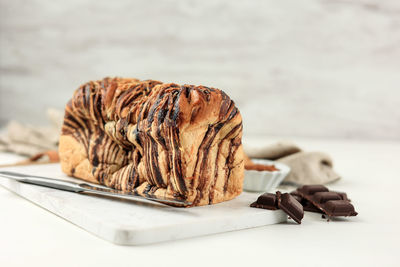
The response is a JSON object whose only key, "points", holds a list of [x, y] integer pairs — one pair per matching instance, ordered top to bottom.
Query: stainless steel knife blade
{"points": [[87, 188]]}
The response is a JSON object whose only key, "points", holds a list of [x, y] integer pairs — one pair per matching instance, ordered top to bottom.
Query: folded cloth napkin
{"points": [[29, 140], [273, 151], [306, 167]]}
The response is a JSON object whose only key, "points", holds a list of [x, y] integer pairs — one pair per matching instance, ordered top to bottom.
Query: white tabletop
{"points": [[371, 177]]}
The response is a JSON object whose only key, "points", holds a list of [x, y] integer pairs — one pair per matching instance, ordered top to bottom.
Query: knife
{"points": [[85, 188]]}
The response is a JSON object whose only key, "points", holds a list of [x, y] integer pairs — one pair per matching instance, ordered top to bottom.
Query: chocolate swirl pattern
{"points": [[154, 138]]}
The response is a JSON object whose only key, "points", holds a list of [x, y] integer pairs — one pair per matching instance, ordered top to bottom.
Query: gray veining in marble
{"points": [[303, 67]]}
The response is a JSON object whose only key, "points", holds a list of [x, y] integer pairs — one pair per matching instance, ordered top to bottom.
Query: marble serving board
{"points": [[135, 223]]}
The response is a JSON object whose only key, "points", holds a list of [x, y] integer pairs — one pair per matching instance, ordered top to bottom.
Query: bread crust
{"points": [[182, 142]]}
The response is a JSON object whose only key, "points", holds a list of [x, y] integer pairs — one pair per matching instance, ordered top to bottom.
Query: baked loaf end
{"points": [[154, 138]]}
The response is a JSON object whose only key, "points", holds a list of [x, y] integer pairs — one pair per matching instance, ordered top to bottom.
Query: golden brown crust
{"points": [[153, 138]]}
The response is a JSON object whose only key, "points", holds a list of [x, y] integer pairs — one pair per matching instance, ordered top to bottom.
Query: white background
{"points": [[314, 68]]}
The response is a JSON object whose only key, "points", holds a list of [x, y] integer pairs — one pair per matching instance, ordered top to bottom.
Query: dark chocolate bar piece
{"points": [[312, 189], [295, 193], [343, 195], [297, 196], [318, 196], [322, 197], [314, 198], [266, 201], [286, 202], [304, 202], [328, 202], [290, 206], [307, 206], [311, 208], [339, 208]]}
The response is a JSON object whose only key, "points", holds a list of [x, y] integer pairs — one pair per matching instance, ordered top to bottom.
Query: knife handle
{"points": [[42, 181]]}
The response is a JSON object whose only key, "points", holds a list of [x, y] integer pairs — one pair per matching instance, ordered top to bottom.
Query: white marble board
{"points": [[132, 223]]}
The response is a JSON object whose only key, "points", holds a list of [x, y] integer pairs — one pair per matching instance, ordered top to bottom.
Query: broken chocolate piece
{"points": [[312, 189], [343, 195], [297, 196], [322, 197], [314, 198], [266, 201], [286, 202], [330, 203], [290, 206], [311, 208], [339, 208]]}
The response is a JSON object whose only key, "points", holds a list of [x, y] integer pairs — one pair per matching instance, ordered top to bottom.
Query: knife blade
{"points": [[85, 188]]}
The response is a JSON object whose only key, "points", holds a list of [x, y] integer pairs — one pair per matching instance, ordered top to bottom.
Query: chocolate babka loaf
{"points": [[154, 138]]}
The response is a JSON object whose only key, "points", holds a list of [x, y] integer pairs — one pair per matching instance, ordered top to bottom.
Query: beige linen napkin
{"points": [[30, 140], [306, 167]]}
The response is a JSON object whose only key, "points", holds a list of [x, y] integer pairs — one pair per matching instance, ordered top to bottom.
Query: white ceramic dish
{"points": [[264, 181]]}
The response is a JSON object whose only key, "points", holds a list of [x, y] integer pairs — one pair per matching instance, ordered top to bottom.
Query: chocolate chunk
{"points": [[312, 189], [296, 195], [343, 195], [322, 197], [298, 198], [314, 198], [317, 198], [266, 201], [286, 202], [290, 206], [307, 206], [311, 208], [339, 208]]}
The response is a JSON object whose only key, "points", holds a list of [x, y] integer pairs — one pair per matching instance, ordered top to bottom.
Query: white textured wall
{"points": [[301, 67]]}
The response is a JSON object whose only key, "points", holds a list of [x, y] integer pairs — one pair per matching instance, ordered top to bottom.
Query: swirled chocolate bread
{"points": [[154, 138]]}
